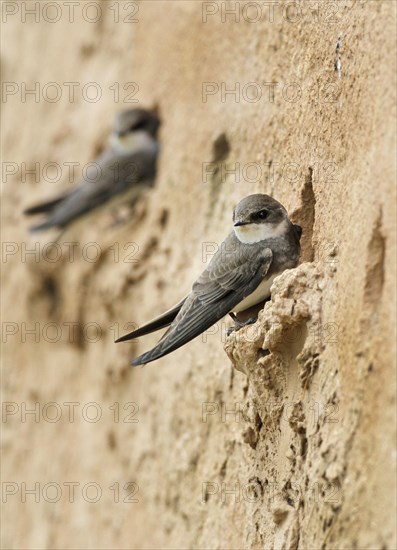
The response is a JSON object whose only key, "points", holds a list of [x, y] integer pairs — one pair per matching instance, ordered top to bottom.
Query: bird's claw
{"points": [[239, 324]]}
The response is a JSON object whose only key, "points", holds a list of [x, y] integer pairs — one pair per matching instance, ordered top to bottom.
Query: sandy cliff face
{"points": [[287, 439]]}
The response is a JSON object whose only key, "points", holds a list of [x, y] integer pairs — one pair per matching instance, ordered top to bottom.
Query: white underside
{"points": [[254, 233], [260, 294]]}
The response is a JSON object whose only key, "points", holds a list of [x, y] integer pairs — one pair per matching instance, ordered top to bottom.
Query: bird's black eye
{"points": [[140, 125], [261, 215]]}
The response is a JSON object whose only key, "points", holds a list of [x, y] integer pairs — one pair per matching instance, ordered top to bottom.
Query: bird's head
{"points": [[135, 128], [260, 217]]}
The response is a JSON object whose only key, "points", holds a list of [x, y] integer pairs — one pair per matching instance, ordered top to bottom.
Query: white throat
{"points": [[133, 142], [256, 232]]}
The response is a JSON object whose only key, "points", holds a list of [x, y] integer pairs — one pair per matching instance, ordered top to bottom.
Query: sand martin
{"points": [[125, 167], [263, 243]]}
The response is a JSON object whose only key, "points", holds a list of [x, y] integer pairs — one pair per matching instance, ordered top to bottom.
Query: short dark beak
{"points": [[237, 224]]}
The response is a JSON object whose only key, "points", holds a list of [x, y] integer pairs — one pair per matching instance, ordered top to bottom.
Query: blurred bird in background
{"points": [[125, 168]]}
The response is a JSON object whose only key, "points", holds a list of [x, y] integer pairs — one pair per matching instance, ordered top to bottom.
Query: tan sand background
{"points": [[286, 440]]}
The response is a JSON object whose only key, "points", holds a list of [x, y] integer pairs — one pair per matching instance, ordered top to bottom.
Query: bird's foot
{"points": [[119, 216], [239, 324]]}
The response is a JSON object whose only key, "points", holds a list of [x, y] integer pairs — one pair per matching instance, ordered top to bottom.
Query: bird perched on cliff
{"points": [[120, 173], [263, 243]]}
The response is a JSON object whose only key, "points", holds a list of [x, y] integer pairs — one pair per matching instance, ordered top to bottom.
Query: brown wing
{"points": [[217, 291]]}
